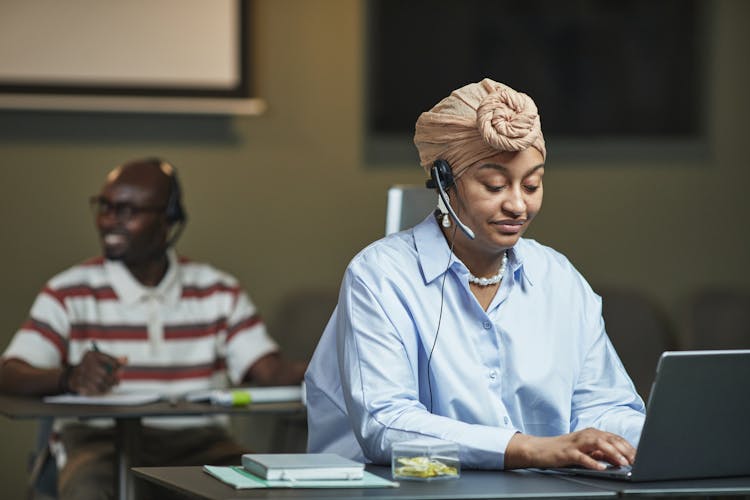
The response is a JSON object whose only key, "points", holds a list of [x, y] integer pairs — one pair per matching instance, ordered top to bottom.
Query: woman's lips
{"points": [[509, 226]]}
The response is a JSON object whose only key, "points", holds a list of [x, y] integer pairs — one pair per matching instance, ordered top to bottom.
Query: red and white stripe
{"points": [[176, 340]]}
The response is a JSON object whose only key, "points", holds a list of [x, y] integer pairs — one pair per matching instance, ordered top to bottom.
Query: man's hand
{"points": [[272, 369], [97, 373], [585, 448]]}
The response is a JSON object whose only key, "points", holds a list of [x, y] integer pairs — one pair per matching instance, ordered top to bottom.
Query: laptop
{"points": [[697, 420]]}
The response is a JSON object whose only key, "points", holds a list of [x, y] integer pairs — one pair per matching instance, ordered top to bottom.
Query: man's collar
{"points": [[433, 252], [130, 290]]}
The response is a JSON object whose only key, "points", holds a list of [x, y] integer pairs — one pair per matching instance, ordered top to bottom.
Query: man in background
{"points": [[140, 319]]}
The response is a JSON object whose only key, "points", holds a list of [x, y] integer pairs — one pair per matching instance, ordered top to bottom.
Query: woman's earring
{"points": [[446, 221]]}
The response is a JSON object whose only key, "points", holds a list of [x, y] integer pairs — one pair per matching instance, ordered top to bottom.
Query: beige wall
{"points": [[284, 200]]}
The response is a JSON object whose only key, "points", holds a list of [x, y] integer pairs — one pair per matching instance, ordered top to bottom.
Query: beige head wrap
{"points": [[476, 122]]}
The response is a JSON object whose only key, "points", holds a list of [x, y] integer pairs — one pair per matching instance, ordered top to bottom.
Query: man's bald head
{"points": [[151, 174]]}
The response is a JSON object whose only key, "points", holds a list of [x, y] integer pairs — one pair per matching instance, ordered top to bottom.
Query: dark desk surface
{"points": [[23, 408], [472, 484], [687, 487]]}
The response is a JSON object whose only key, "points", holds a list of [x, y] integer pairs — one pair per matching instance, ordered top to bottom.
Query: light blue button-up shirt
{"points": [[538, 361]]}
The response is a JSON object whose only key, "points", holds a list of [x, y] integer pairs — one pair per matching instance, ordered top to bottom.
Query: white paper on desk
{"points": [[276, 394], [123, 399]]}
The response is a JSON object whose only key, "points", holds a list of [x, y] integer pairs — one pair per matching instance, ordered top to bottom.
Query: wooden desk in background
{"points": [[128, 422]]}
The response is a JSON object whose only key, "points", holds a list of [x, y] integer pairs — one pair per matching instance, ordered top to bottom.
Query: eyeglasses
{"points": [[123, 212]]}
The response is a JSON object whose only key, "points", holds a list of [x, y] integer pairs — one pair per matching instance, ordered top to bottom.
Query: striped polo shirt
{"points": [[197, 329]]}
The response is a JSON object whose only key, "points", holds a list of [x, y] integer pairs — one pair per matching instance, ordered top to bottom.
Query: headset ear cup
{"points": [[444, 172], [442, 178], [170, 211], [174, 211]]}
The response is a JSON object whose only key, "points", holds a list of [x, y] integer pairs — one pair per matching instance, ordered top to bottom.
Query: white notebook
{"points": [[112, 399], [301, 466]]}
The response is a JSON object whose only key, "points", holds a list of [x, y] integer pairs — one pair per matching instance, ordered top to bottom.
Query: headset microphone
{"points": [[442, 179]]}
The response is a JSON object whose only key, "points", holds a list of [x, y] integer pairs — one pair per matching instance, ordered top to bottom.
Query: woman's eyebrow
{"points": [[504, 169]]}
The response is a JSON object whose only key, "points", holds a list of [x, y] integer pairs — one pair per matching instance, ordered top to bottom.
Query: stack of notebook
{"points": [[302, 466], [297, 470]]}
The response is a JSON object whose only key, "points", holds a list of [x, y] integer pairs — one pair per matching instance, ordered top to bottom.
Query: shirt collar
{"points": [[432, 249], [433, 252], [518, 263], [130, 290]]}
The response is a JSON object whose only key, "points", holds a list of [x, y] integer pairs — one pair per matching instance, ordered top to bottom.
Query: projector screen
{"points": [[174, 48]]}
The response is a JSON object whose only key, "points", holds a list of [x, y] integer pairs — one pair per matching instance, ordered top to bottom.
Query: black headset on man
{"points": [[174, 211]]}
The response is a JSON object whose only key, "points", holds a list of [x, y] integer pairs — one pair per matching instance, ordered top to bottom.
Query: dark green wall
{"points": [[284, 200]]}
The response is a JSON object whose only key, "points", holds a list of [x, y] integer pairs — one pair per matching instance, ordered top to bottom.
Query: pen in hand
{"points": [[106, 366], [97, 372]]}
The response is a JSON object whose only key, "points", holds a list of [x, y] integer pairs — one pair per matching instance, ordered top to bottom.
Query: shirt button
{"points": [[487, 325], [493, 375], [505, 420]]}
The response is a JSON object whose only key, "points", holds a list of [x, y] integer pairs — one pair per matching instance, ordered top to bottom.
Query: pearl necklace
{"points": [[494, 280]]}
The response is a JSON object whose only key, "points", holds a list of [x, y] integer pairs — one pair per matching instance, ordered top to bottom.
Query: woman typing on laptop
{"points": [[461, 329]]}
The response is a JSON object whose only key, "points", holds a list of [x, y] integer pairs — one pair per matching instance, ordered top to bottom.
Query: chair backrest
{"points": [[407, 205], [720, 319], [300, 320], [296, 325], [640, 332]]}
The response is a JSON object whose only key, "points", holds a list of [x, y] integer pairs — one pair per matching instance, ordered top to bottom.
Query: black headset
{"points": [[440, 175], [441, 178], [174, 212]]}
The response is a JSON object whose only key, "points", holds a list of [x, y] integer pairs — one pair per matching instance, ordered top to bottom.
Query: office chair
{"points": [[407, 206], [720, 319], [297, 326], [640, 332], [42, 481]]}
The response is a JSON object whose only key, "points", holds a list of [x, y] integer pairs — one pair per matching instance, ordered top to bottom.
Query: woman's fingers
{"points": [[588, 448]]}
